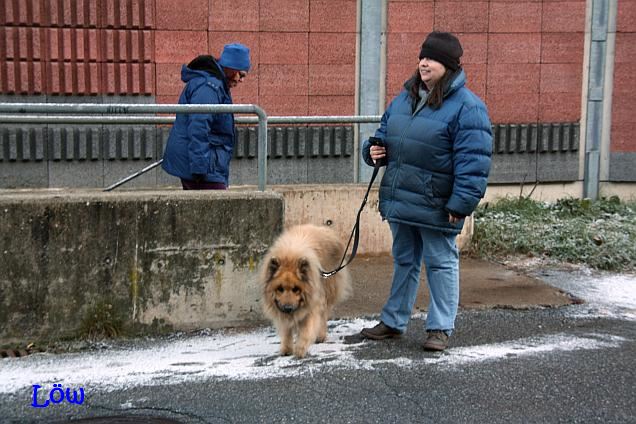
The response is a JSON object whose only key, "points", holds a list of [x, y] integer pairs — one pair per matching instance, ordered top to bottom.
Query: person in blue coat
{"points": [[436, 140], [200, 146]]}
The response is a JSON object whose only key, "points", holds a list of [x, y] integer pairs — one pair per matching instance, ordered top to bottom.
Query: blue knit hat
{"points": [[235, 56]]}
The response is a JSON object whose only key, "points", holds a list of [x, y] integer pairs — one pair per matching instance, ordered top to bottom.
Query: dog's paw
{"points": [[285, 351], [300, 352]]}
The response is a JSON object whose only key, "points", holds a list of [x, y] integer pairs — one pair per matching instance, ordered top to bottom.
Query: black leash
{"points": [[355, 233]]}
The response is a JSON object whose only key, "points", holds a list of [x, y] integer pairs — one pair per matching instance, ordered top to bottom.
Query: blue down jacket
{"points": [[201, 143], [438, 159]]}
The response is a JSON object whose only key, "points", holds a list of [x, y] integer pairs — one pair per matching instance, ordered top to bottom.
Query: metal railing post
{"points": [[262, 148]]}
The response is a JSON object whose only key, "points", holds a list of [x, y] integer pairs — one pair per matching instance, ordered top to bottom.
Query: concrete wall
{"points": [[96, 156], [337, 206], [146, 260], [153, 261]]}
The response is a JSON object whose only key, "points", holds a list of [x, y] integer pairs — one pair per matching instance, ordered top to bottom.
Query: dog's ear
{"points": [[272, 267], [303, 268]]}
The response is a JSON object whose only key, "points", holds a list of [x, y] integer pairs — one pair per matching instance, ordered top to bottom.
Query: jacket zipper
{"points": [[399, 161]]}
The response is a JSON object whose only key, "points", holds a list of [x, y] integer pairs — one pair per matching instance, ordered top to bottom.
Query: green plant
{"points": [[600, 234], [101, 321]]}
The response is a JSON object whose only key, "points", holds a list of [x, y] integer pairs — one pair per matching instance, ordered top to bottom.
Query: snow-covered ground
{"points": [[607, 295], [253, 354]]}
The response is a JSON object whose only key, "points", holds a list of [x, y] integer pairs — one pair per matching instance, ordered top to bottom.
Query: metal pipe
{"points": [[602, 22], [372, 71], [88, 108], [123, 108], [127, 109], [327, 119], [85, 120], [157, 120], [262, 148], [135, 175]]}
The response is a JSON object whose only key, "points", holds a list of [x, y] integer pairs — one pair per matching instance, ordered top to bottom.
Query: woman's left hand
{"points": [[453, 219]]}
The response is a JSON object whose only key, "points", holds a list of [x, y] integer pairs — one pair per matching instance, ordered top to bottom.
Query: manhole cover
{"points": [[128, 419]]}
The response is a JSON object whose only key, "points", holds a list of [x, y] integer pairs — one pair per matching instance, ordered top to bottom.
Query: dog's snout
{"points": [[288, 309]]}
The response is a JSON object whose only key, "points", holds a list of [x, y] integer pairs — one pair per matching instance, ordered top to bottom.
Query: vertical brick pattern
{"points": [[407, 24], [67, 47], [299, 49], [525, 49], [331, 57], [623, 142]]}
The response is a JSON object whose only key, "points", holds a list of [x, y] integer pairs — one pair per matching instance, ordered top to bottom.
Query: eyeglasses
{"points": [[242, 74]]}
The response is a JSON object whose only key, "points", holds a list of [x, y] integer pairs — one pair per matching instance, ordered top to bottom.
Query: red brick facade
{"points": [[80, 47], [523, 57], [623, 104]]}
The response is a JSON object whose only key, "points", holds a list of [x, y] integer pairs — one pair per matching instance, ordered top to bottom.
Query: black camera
{"points": [[375, 141]]}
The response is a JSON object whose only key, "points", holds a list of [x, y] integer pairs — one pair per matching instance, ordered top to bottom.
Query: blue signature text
{"points": [[57, 395]]}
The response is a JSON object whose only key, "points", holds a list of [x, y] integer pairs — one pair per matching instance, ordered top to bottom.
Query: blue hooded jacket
{"points": [[202, 143], [438, 160]]}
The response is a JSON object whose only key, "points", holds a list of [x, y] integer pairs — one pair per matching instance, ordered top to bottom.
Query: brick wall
{"points": [[80, 47], [303, 52], [524, 58], [623, 104]]}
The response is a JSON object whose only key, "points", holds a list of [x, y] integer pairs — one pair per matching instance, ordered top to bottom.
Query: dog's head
{"points": [[288, 283]]}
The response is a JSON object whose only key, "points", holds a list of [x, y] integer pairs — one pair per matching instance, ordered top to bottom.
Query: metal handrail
{"points": [[117, 108], [126, 108], [16, 113], [141, 119]]}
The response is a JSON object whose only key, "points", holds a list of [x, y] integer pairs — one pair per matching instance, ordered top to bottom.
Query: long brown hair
{"points": [[435, 98]]}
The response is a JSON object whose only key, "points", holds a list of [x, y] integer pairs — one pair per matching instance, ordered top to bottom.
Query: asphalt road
{"points": [[566, 364]]}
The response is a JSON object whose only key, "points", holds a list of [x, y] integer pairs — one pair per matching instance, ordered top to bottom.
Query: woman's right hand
{"points": [[377, 152]]}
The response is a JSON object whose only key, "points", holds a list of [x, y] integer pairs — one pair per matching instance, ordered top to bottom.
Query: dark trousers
{"points": [[203, 185]]}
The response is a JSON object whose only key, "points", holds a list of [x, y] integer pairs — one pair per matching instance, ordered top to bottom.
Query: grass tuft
{"points": [[600, 234], [101, 321]]}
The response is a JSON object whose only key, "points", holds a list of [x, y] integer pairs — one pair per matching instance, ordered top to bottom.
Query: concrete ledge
{"points": [[337, 205], [160, 259], [156, 260]]}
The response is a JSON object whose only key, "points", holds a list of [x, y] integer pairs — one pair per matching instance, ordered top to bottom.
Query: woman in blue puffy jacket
{"points": [[437, 143], [200, 145]]}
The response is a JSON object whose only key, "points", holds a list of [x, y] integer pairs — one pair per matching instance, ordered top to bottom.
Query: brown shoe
{"points": [[380, 332], [436, 340]]}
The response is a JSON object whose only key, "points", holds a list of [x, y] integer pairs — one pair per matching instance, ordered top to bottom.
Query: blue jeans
{"points": [[411, 244]]}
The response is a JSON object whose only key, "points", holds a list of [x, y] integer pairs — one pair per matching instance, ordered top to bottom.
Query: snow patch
{"points": [[606, 295], [249, 355]]}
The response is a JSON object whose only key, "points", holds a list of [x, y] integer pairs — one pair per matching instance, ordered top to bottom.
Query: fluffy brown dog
{"points": [[295, 296]]}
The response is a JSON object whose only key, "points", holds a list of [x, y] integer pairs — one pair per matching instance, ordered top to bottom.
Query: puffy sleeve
{"points": [[199, 128], [379, 133], [472, 152]]}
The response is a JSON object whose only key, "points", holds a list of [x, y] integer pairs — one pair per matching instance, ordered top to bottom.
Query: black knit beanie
{"points": [[444, 48], [206, 63]]}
